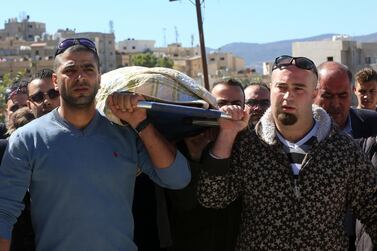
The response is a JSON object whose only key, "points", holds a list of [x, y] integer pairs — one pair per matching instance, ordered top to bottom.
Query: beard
{"points": [[80, 102], [287, 118]]}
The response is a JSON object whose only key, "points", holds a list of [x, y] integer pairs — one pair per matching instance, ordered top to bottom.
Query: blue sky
{"points": [[225, 21]]}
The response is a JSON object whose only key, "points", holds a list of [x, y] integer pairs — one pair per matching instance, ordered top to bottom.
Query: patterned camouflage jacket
{"points": [[280, 213]]}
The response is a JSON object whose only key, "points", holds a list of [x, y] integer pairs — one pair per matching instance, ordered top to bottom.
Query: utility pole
{"points": [[201, 40], [202, 44]]}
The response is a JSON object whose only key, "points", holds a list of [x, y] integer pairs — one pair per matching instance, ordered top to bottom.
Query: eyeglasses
{"points": [[69, 42], [300, 62], [39, 97], [256, 102]]}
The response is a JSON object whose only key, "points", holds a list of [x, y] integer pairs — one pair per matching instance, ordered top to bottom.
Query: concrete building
{"points": [[25, 29], [105, 43], [131, 45], [340, 49], [176, 51], [226, 62]]}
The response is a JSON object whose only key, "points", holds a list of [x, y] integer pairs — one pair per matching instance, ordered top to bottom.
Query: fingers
{"points": [[126, 102], [235, 111]]}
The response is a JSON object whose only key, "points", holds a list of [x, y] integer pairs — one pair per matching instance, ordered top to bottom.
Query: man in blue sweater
{"points": [[79, 167]]}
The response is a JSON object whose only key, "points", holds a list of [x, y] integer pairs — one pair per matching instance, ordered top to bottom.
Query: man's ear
{"points": [[55, 81]]}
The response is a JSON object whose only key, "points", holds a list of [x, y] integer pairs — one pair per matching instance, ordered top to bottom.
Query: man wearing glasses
{"points": [[42, 96], [257, 97], [79, 167], [295, 172]]}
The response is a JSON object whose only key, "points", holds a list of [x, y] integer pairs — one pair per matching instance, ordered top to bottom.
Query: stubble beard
{"points": [[81, 102]]}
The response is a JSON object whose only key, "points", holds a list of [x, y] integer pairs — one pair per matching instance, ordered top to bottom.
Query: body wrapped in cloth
{"points": [[162, 86]]}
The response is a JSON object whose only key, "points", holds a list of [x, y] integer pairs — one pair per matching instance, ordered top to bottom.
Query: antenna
{"points": [[111, 26], [176, 34], [192, 40]]}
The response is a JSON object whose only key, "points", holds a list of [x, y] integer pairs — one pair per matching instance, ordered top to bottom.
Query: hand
{"points": [[124, 106], [239, 119], [196, 144]]}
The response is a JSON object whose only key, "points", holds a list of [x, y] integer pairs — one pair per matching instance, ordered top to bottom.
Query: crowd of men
{"points": [[293, 168]]}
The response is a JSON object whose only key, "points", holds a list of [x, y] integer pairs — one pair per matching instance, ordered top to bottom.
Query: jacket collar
{"points": [[266, 129]]}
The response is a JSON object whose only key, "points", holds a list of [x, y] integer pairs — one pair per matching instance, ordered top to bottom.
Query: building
{"points": [[25, 29], [131, 45], [340, 49], [226, 62]]}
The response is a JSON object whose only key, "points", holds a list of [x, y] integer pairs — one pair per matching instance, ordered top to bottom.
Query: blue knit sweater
{"points": [[81, 182]]}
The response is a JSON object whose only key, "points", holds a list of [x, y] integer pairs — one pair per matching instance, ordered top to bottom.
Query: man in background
{"points": [[366, 88], [42, 95], [257, 100]]}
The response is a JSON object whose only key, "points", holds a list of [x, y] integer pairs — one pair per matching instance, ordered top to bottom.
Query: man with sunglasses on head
{"points": [[42, 95], [257, 97], [79, 167], [295, 172]]}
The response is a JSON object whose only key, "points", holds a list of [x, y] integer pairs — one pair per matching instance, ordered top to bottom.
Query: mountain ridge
{"points": [[257, 53]]}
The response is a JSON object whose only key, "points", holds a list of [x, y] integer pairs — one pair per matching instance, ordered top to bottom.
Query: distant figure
{"points": [[366, 88], [335, 96], [43, 97], [15, 98], [257, 100], [19, 118], [22, 233]]}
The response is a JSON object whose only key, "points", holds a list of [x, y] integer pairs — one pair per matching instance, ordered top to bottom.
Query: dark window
{"points": [[124, 47], [133, 47], [222, 58], [212, 59], [330, 59]]}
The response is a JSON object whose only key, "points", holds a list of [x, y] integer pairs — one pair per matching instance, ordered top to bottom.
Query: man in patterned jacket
{"points": [[295, 172]]}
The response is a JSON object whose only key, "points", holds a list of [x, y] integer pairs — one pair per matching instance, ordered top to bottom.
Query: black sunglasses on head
{"points": [[69, 42], [300, 62], [39, 97]]}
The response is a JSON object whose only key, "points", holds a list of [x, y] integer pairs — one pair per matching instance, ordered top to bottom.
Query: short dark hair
{"points": [[76, 48], [43, 74], [365, 75], [230, 82], [261, 84]]}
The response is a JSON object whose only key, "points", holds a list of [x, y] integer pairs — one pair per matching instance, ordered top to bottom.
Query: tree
{"points": [[150, 60]]}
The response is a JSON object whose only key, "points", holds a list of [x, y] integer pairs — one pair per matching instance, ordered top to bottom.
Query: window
{"points": [[124, 47], [133, 47], [222, 58], [212, 59], [330, 59], [368, 60]]}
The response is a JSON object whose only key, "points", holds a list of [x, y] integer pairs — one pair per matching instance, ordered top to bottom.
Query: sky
{"points": [[224, 21]]}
